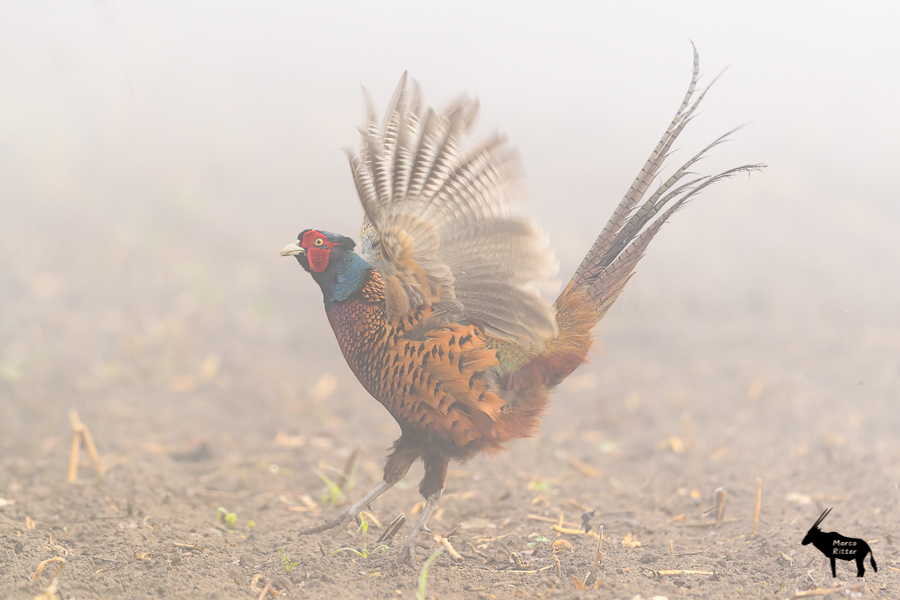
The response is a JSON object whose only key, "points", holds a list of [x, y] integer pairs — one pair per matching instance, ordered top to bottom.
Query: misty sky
{"points": [[121, 114]]}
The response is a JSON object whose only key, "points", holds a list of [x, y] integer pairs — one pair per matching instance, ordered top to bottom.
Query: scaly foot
{"points": [[350, 512], [408, 553]]}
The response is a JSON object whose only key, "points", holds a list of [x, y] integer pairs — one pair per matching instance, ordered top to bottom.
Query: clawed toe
{"points": [[351, 512], [340, 520], [320, 528], [408, 554]]}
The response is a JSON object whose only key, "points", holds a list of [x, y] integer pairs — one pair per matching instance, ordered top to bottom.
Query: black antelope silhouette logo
{"points": [[834, 545]]}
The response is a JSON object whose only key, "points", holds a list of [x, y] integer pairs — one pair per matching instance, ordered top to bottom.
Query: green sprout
{"points": [[350, 477], [539, 485], [332, 493], [229, 518], [251, 524], [364, 527], [537, 540], [288, 565], [423, 575]]}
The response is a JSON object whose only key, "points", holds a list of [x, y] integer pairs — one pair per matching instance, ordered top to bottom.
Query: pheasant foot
{"points": [[350, 512], [408, 553]]}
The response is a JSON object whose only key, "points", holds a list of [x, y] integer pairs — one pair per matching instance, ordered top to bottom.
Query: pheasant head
{"points": [[330, 259]]}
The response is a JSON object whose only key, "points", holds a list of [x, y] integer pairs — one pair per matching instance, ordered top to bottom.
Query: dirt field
{"points": [[155, 158], [210, 379]]}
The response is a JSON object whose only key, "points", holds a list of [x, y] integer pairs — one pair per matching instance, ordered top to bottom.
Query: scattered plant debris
{"points": [[80, 433], [586, 520], [392, 529]]}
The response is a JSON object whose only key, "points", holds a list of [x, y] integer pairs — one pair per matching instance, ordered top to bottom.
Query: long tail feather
{"points": [[609, 264]]}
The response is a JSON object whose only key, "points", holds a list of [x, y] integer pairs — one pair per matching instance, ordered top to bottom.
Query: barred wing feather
{"points": [[443, 222]]}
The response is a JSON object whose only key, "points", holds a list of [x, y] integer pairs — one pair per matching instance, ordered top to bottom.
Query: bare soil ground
{"points": [[211, 379]]}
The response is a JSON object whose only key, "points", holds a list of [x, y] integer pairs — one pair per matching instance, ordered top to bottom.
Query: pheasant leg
{"points": [[398, 463], [352, 511], [409, 548]]}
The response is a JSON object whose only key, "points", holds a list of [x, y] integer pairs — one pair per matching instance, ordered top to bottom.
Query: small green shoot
{"points": [[350, 477], [539, 485], [332, 493], [229, 518], [251, 524], [364, 527], [537, 541], [286, 562], [423, 574]]}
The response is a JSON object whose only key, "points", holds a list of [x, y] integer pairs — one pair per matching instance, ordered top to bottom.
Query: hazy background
{"points": [[155, 157]]}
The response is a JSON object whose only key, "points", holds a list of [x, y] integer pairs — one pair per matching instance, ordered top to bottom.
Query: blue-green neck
{"points": [[344, 276]]}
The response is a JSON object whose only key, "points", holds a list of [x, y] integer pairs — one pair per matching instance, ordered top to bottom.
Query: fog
{"points": [[148, 150], [155, 157]]}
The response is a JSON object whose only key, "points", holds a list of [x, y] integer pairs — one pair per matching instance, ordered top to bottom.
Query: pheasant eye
{"points": [[319, 242]]}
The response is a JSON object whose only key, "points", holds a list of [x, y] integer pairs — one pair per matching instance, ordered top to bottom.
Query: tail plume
{"points": [[609, 264]]}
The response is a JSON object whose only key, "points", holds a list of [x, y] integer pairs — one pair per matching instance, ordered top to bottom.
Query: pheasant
{"points": [[438, 311]]}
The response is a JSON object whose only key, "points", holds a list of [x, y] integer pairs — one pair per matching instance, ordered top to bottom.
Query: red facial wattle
{"points": [[318, 248], [318, 259]]}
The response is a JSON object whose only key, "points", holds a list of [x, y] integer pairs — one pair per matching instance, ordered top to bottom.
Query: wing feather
{"points": [[443, 221]]}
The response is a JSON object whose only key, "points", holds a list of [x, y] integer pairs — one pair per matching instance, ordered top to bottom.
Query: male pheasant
{"points": [[440, 314]]}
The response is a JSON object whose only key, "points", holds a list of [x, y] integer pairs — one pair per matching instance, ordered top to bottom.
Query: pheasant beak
{"points": [[292, 249]]}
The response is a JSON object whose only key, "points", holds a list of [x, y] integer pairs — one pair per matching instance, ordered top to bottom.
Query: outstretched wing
{"points": [[443, 224]]}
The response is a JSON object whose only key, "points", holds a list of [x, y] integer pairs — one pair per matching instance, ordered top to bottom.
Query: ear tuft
{"points": [[344, 241]]}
